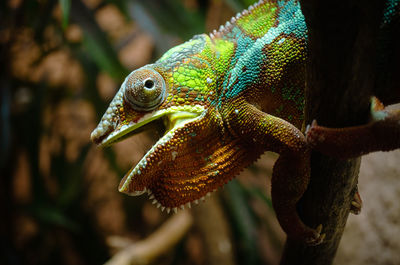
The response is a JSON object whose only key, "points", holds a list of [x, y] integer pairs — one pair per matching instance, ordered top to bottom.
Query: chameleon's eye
{"points": [[144, 89]]}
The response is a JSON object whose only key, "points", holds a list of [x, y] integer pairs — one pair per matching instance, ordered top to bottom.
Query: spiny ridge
{"points": [[223, 29], [175, 209]]}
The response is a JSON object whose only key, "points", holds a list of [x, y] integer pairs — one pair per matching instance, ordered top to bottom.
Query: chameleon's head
{"points": [[177, 88], [193, 156]]}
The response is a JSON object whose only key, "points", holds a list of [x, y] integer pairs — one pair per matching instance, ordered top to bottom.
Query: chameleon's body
{"points": [[225, 98]]}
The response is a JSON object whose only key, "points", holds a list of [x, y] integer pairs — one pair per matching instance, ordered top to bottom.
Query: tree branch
{"points": [[339, 83]]}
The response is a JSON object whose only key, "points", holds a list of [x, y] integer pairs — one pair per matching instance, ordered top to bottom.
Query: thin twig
{"points": [[158, 243]]}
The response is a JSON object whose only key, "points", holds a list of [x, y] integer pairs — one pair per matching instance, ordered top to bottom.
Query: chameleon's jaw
{"points": [[174, 118], [105, 138], [132, 184]]}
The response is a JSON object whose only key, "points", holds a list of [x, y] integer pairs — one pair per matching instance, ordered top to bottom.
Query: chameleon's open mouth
{"points": [[172, 118]]}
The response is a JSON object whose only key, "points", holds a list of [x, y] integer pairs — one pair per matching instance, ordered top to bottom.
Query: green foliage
{"points": [[65, 8], [96, 42], [103, 55], [244, 222]]}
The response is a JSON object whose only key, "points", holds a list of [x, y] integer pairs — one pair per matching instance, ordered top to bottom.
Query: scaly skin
{"points": [[225, 98]]}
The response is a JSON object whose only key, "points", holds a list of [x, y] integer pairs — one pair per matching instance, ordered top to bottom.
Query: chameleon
{"points": [[225, 98]]}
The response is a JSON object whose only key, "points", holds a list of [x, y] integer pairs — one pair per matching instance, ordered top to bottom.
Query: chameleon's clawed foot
{"points": [[313, 135], [356, 204], [315, 237]]}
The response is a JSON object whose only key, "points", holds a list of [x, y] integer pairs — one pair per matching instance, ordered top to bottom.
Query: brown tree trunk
{"points": [[339, 82]]}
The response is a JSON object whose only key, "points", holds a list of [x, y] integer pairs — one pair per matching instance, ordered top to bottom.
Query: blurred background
{"points": [[62, 61]]}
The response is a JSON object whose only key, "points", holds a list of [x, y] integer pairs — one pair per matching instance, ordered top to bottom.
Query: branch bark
{"points": [[340, 76]]}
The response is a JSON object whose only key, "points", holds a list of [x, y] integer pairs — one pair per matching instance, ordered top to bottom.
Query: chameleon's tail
{"points": [[289, 181]]}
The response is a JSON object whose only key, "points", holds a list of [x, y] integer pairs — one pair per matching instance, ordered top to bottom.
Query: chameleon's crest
{"points": [[259, 7]]}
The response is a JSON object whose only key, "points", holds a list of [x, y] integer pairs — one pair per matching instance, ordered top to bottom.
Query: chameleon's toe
{"points": [[313, 136], [356, 204], [355, 208], [315, 238]]}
